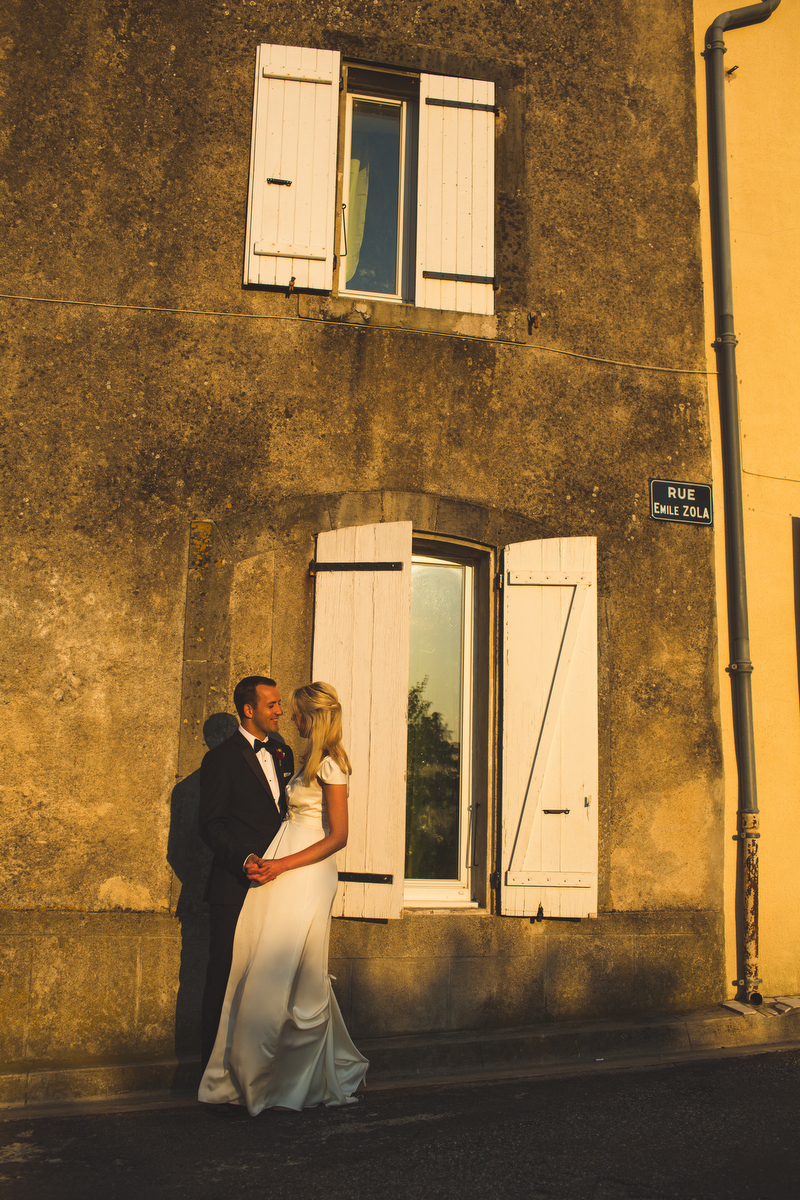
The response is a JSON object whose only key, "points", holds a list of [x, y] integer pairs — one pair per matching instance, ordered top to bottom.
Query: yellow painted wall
{"points": [[763, 120]]}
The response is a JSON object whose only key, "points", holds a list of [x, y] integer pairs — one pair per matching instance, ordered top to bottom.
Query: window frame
{"points": [[406, 201], [469, 891], [455, 892]]}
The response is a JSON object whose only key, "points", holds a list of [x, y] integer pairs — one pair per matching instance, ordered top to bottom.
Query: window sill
{"points": [[352, 310], [444, 909]]}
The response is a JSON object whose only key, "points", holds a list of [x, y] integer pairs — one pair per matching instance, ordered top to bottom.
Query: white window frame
{"points": [[404, 201], [456, 893]]}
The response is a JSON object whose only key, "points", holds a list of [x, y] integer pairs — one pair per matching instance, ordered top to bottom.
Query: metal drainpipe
{"points": [[741, 667]]}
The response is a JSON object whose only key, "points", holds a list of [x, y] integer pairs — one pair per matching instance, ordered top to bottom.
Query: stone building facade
{"points": [[178, 441]]}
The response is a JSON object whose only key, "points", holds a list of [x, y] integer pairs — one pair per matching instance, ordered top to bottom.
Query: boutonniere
{"points": [[279, 754]]}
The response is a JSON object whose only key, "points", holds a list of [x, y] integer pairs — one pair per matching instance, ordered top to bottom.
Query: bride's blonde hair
{"points": [[318, 705]]}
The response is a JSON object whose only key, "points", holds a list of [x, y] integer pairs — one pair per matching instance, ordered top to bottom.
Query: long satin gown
{"points": [[281, 1039]]}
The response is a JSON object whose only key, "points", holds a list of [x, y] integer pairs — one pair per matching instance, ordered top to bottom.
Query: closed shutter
{"points": [[292, 193], [455, 195], [361, 646], [549, 769]]}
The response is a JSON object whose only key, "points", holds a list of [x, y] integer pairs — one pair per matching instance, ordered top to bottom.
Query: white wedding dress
{"points": [[281, 1039]]}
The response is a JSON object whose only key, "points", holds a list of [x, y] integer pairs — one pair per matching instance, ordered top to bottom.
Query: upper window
{"points": [[408, 217]]}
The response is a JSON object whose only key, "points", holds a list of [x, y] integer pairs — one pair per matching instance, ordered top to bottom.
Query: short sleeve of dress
{"points": [[329, 772]]}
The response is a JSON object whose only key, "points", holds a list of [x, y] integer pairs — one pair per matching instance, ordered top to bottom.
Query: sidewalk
{"points": [[560, 1048]]}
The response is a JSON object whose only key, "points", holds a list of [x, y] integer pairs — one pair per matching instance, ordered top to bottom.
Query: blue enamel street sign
{"points": [[689, 503]]}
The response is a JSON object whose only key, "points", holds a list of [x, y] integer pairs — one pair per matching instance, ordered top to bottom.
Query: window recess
{"points": [[415, 215]]}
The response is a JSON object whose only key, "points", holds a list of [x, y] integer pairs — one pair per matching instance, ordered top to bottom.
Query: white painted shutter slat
{"points": [[295, 123], [455, 195], [361, 646], [549, 825]]}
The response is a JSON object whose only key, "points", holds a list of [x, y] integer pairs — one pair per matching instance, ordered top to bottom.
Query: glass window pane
{"points": [[373, 206], [434, 721]]}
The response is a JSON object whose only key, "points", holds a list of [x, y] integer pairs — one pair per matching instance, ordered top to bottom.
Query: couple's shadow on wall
{"points": [[190, 860]]}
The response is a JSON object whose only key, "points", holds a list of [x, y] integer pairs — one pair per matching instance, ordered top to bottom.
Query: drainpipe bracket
{"points": [[740, 668]]}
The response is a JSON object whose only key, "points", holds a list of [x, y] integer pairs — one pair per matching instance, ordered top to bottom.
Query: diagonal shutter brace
{"points": [[315, 567]]}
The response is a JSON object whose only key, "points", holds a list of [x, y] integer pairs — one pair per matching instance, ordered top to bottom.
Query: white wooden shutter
{"points": [[292, 193], [455, 195], [361, 645], [549, 780]]}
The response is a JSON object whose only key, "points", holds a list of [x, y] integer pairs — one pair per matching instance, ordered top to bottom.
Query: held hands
{"points": [[263, 870]]}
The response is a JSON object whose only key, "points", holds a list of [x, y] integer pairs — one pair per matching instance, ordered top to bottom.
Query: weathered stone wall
{"points": [[170, 461]]}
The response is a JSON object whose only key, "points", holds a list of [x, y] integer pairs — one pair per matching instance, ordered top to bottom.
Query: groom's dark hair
{"points": [[245, 692]]}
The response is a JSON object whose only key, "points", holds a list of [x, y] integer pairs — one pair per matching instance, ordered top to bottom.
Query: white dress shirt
{"points": [[267, 764]]}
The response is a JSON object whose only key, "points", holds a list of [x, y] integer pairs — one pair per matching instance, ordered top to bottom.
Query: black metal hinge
{"points": [[462, 104], [450, 277], [315, 567], [364, 877]]}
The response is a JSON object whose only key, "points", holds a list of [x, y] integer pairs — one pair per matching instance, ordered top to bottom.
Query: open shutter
{"points": [[292, 195], [455, 195], [361, 646], [549, 781]]}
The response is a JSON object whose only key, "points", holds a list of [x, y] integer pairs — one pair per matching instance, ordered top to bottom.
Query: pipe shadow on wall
{"points": [[190, 859]]}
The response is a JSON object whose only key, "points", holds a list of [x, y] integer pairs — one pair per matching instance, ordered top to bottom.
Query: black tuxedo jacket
{"points": [[238, 815]]}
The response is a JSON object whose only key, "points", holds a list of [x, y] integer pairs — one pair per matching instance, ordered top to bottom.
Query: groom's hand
{"points": [[253, 865]]}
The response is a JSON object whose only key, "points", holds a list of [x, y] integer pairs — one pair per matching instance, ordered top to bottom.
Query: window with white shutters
{"points": [[416, 216], [399, 651]]}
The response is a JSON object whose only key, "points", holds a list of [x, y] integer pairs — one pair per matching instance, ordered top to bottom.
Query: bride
{"points": [[281, 1039]]}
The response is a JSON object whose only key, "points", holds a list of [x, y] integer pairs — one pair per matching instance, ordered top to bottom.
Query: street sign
{"points": [[673, 500]]}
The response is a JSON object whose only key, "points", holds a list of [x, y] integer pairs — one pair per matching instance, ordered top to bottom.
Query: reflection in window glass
{"points": [[373, 206], [434, 721]]}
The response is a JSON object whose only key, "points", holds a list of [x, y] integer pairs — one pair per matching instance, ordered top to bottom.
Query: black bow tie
{"points": [[257, 745]]}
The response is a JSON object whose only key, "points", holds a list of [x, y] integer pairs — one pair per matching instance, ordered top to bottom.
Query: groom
{"points": [[242, 803]]}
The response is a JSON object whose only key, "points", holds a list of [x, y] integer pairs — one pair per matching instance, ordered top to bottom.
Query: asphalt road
{"points": [[727, 1129]]}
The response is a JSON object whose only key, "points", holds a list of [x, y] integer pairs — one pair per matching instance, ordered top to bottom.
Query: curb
{"points": [[441, 1058]]}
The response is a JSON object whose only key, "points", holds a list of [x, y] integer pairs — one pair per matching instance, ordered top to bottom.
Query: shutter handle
{"points": [[284, 182], [344, 229]]}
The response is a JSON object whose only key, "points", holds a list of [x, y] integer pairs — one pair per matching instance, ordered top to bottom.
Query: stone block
{"points": [[416, 507], [356, 508], [456, 519], [251, 609], [421, 934], [15, 971], [159, 972], [677, 972], [588, 978], [488, 993], [391, 996], [83, 998]]}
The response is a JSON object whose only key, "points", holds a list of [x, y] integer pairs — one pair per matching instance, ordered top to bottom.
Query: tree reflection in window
{"points": [[432, 792]]}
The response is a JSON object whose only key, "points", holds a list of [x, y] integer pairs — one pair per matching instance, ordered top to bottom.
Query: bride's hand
{"points": [[266, 871]]}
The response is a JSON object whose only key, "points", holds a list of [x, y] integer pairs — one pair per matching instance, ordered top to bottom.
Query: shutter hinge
{"points": [[315, 567], [498, 581], [364, 877], [494, 880]]}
